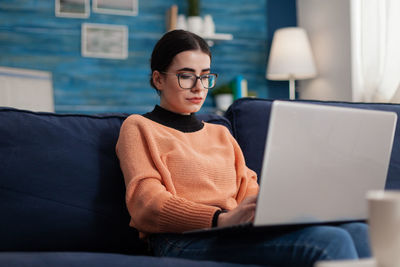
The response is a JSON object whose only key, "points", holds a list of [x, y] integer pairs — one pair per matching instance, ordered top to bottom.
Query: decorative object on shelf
{"points": [[116, 7], [72, 8], [193, 8], [172, 18], [194, 21], [181, 22], [195, 24], [208, 26], [204, 27], [104, 41], [290, 57], [239, 87], [223, 97]]}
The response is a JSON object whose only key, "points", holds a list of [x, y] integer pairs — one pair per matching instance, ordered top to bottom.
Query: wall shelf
{"points": [[172, 21], [211, 39]]}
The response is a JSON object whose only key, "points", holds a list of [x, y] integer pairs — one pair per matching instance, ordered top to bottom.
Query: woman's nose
{"points": [[198, 85]]}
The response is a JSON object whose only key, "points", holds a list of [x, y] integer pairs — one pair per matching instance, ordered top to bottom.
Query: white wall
{"points": [[328, 25]]}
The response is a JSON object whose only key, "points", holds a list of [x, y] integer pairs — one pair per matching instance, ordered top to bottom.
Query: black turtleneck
{"points": [[183, 123]]}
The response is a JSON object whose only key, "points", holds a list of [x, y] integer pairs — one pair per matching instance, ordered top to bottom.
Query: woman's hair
{"points": [[171, 44]]}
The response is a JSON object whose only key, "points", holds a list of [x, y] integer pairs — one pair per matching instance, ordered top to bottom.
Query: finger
{"points": [[250, 199], [248, 207], [244, 214], [248, 217], [251, 219]]}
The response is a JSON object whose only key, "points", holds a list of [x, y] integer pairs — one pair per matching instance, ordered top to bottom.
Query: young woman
{"points": [[183, 174]]}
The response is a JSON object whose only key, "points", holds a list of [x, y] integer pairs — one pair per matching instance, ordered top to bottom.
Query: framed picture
{"points": [[116, 7], [72, 8], [104, 41], [26, 89]]}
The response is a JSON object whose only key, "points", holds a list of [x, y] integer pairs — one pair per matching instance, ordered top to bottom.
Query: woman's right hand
{"points": [[243, 213]]}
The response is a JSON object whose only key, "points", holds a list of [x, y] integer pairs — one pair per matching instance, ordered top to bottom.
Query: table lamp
{"points": [[290, 57]]}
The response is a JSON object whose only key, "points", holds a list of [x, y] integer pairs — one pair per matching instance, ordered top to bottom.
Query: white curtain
{"points": [[376, 50]]}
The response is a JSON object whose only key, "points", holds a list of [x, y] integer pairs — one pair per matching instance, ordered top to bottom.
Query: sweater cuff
{"points": [[179, 215], [215, 218]]}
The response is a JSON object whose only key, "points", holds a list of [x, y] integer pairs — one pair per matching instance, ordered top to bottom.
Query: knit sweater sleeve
{"points": [[152, 207]]}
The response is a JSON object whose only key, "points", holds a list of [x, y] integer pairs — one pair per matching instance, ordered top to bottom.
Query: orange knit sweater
{"points": [[176, 181]]}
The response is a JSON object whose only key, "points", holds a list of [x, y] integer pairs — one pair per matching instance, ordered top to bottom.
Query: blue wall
{"points": [[280, 14], [32, 37]]}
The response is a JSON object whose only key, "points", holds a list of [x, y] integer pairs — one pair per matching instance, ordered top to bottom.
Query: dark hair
{"points": [[171, 44]]}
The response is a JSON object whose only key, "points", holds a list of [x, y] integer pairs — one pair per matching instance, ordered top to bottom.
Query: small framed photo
{"points": [[116, 7], [72, 8], [104, 41]]}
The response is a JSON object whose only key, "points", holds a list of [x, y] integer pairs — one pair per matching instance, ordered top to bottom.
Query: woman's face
{"points": [[173, 97]]}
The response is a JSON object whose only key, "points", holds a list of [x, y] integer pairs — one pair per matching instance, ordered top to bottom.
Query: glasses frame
{"points": [[194, 83]]}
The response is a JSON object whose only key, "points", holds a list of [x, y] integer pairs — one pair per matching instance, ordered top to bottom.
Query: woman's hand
{"points": [[241, 214]]}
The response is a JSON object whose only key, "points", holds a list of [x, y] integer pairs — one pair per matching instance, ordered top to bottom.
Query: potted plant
{"points": [[193, 8], [194, 21], [223, 97]]}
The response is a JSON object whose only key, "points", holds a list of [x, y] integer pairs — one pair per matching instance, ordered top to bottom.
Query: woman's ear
{"points": [[158, 80]]}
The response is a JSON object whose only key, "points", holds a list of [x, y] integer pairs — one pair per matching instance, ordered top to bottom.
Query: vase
{"points": [[181, 23], [195, 24], [208, 26], [223, 101]]}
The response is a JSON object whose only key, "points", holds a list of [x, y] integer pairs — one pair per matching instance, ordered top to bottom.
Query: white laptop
{"points": [[320, 161]]}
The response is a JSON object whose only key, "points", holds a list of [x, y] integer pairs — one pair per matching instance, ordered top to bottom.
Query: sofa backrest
{"points": [[249, 118], [61, 187]]}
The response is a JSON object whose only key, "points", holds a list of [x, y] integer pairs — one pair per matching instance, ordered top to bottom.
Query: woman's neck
{"points": [[180, 122]]}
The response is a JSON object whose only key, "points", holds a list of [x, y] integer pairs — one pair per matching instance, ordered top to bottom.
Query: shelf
{"points": [[211, 39]]}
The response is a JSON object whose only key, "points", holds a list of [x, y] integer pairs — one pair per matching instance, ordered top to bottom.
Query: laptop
{"points": [[319, 162]]}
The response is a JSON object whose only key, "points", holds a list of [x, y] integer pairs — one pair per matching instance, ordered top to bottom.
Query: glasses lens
{"points": [[187, 80], [208, 80]]}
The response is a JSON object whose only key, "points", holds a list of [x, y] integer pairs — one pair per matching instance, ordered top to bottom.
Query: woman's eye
{"points": [[186, 76]]}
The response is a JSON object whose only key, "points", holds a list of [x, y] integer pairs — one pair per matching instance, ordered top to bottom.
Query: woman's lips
{"points": [[195, 100]]}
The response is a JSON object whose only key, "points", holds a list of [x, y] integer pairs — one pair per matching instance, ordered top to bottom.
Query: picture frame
{"points": [[116, 7], [72, 8], [104, 41], [26, 89]]}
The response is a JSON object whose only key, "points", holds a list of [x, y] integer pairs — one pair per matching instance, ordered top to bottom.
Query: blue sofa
{"points": [[62, 191]]}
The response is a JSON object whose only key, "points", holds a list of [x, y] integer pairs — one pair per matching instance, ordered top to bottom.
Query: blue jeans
{"points": [[295, 246]]}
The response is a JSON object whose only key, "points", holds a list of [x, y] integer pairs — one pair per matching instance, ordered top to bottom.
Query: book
{"points": [[239, 86]]}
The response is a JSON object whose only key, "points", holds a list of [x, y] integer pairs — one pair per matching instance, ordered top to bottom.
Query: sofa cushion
{"points": [[249, 118], [216, 119], [61, 187]]}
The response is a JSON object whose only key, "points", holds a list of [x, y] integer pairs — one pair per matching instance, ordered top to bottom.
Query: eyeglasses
{"points": [[188, 80]]}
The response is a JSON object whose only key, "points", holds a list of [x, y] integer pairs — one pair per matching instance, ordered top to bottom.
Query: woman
{"points": [[183, 174]]}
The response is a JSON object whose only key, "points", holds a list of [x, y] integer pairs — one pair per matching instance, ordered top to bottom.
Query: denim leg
{"points": [[360, 235], [300, 247]]}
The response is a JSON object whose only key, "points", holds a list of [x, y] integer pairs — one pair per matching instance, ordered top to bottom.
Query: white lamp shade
{"points": [[290, 56]]}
